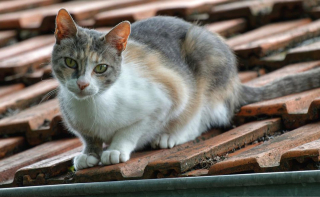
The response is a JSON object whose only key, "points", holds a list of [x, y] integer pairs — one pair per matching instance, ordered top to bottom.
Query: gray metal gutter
{"points": [[301, 183]]}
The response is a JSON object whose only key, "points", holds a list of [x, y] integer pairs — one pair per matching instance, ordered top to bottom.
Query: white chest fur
{"points": [[130, 99]]}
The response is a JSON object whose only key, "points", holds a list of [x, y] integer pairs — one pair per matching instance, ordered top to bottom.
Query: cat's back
{"points": [[162, 33]]}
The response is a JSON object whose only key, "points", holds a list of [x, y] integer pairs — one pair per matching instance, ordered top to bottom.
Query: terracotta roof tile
{"points": [[10, 6], [258, 11], [139, 12], [43, 17], [228, 28], [266, 31], [6, 36], [25, 46], [264, 46], [306, 52], [38, 75], [250, 75], [7, 89], [28, 96], [29, 119], [258, 143], [10, 145], [302, 154], [267, 156], [187, 158], [9, 165], [136, 166], [50, 167]]}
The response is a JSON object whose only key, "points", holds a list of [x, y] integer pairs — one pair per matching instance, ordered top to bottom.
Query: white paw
{"points": [[165, 141], [109, 157], [85, 161]]}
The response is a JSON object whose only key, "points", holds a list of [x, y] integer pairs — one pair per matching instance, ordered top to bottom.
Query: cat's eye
{"points": [[71, 63], [101, 68]]}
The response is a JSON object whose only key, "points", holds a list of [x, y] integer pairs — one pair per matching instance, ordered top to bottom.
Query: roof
{"points": [[271, 38]]}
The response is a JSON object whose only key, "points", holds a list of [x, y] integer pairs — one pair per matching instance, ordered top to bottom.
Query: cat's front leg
{"points": [[123, 143], [90, 155]]}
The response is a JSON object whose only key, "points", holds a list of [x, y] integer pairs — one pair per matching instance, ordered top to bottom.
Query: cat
{"points": [[160, 82]]}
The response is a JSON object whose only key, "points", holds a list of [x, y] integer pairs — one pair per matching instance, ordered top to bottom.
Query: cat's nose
{"points": [[82, 84]]}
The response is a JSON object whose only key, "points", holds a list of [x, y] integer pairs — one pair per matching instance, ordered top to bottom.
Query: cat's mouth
{"points": [[82, 95]]}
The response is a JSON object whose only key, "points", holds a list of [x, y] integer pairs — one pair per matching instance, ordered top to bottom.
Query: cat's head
{"points": [[87, 62]]}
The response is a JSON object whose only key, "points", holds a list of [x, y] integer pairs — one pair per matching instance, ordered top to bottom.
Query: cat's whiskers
{"points": [[48, 95]]}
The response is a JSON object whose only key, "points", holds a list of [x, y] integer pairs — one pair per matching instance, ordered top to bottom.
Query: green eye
{"points": [[70, 62], [101, 68]]}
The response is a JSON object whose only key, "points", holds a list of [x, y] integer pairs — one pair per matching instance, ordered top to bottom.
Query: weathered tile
{"points": [[10, 6], [258, 11], [139, 12], [43, 18], [229, 27], [266, 31], [25, 46], [265, 46], [307, 52], [16, 66], [285, 71], [38, 75], [246, 76], [7, 89], [28, 96], [291, 104], [308, 113], [30, 119], [52, 128], [10, 145], [302, 154], [267, 156], [187, 158], [9, 165], [47, 168], [134, 168], [198, 172]]}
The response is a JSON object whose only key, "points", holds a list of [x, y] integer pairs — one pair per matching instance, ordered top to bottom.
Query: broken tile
{"points": [[268, 155]]}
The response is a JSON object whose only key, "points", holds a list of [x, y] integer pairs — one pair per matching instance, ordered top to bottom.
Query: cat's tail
{"points": [[281, 87]]}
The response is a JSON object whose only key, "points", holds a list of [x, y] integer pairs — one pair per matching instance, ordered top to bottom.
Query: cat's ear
{"points": [[65, 26], [119, 35]]}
